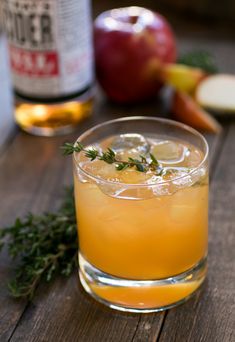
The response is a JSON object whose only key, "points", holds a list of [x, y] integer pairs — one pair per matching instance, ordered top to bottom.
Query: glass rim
{"points": [[147, 118]]}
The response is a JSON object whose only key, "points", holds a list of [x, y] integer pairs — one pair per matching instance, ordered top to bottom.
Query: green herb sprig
{"points": [[199, 59], [110, 157], [46, 246]]}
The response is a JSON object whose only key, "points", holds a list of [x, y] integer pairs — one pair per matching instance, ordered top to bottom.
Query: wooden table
{"points": [[32, 176]]}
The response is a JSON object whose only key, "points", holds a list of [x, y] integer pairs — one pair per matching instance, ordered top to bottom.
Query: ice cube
{"points": [[131, 142], [169, 152], [81, 156], [193, 158], [100, 169], [173, 173], [132, 176], [200, 176], [178, 177], [183, 177], [83, 178], [116, 183], [163, 189], [112, 190], [125, 191]]}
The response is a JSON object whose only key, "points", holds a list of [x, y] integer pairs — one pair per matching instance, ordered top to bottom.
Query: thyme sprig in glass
{"points": [[143, 164]]}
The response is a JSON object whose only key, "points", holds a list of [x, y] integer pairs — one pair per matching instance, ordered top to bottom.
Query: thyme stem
{"points": [[109, 156]]}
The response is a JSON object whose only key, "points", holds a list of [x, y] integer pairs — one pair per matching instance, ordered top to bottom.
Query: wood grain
{"points": [[32, 175], [27, 179], [37, 186], [72, 307], [210, 315]]}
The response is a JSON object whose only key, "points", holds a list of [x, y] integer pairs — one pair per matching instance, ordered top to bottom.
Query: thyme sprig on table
{"points": [[110, 157], [45, 245]]}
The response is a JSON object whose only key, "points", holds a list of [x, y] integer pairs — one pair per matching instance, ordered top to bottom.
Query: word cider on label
{"points": [[29, 29], [41, 56]]}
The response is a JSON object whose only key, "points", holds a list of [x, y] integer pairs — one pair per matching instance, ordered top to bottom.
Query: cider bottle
{"points": [[51, 59]]}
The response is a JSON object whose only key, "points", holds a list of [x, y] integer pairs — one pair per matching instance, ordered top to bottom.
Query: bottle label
{"points": [[50, 45]]}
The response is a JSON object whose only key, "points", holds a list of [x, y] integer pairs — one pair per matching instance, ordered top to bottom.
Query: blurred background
{"points": [[213, 9], [198, 25]]}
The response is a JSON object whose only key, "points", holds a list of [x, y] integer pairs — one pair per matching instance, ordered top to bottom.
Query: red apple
{"points": [[130, 46]]}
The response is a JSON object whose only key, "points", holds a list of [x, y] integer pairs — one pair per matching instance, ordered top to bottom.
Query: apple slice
{"points": [[182, 77], [217, 93], [186, 110]]}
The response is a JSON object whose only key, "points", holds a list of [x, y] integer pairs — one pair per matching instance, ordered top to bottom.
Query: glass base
{"points": [[140, 295]]}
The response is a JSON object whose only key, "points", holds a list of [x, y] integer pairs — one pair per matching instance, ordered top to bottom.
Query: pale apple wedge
{"points": [[182, 77], [217, 93], [186, 110]]}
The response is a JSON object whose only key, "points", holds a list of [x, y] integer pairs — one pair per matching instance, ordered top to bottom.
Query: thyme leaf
{"points": [[110, 157], [45, 246]]}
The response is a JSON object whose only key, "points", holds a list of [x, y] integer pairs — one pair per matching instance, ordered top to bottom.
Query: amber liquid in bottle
{"points": [[51, 59], [52, 119]]}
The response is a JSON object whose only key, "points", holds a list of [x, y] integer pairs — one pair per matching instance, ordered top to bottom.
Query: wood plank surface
{"points": [[32, 176], [26, 180], [32, 181], [39, 187], [210, 316]]}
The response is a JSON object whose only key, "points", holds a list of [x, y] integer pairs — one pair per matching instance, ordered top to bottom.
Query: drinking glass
{"points": [[142, 246]]}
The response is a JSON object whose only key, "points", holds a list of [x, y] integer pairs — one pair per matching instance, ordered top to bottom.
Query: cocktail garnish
{"points": [[143, 164]]}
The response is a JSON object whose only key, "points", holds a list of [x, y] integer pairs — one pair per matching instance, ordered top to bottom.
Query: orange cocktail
{"points": [[143, 235]]}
